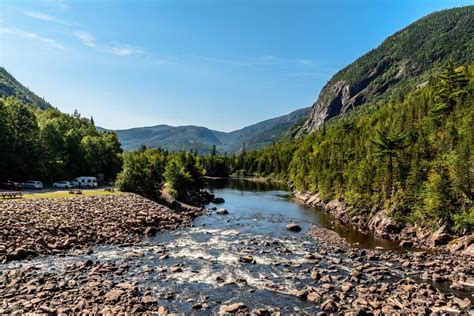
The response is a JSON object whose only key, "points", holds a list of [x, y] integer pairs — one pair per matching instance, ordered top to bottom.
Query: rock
{"points": [[218, 200], [222, 211], [382, 224], [292, 227], [150, 231], [440, 237], [406, 243], [247, 259], [176, 269], [113, 295], [149, 300], [329, 305], [231, 309], [163, 310]]}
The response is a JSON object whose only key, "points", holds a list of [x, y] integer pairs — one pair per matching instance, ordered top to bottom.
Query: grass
{"points": [[64, 194]]}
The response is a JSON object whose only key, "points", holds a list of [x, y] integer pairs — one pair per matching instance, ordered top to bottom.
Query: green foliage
{"points": [[50, 146], [411, 156], [143, 172]]}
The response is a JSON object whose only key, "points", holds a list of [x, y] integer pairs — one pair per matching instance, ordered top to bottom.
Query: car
{"points": [[86, 182], [32, 184], [10, 185], [63, 185]]}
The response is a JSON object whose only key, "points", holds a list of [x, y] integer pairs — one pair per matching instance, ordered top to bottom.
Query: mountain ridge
{"points": [[403, 60], [202, 139]]}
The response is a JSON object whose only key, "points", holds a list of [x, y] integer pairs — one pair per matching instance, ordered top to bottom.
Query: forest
{"points": [[51, 146], [412, 155]]}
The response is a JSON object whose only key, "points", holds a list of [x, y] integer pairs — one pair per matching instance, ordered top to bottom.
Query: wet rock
{"points": [[218, 200], [222, 211], [292, 227], [247, 259], [232, 308]]}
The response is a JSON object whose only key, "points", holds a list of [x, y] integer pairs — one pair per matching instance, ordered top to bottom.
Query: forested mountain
{"points": [[403, 61], [10, 87], [203, 139]]}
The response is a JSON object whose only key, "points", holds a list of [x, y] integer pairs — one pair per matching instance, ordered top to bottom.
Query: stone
{"points": [[218, 200], [222, 211], [292, 227], [440, 237], [406, 243], [247, 259], [176, 269], [113, 295], [148, 300], [231, 309]]}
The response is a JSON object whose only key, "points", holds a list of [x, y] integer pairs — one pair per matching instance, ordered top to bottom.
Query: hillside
{"points": [[403, 61], [9, 86], [202, 139]]}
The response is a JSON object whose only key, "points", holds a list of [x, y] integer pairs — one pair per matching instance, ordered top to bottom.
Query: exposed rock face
{"points": [[407, 55], [341, 96]]}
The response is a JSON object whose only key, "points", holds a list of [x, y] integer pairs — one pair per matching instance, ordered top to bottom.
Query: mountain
{"points": [[403, 61], [9, 86], [202, 139]]}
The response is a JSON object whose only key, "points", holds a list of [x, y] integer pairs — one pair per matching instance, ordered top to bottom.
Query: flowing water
{"points": [[208, 253]]}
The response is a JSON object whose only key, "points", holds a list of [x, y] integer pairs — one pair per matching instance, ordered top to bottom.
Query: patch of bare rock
{"points": [[32, 227]]}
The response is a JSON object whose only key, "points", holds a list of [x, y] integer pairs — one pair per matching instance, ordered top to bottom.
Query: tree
{"points": [[387, 145]]}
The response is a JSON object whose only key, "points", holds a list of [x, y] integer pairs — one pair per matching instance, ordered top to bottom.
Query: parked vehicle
{"points": [[86, 182], [32, 184], [10, 185], [63, 185]]}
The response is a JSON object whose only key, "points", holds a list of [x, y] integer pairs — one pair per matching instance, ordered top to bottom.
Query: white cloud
{"points": [[39, 16], [48, 18], [86, 38], [49, 42], [114, 48]]}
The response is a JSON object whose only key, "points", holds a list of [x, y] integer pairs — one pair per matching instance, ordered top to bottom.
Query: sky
{"points": [[223, 64]]}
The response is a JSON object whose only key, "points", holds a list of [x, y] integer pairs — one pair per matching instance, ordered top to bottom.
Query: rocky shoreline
{"points": [[379, 223], [33, 227]]}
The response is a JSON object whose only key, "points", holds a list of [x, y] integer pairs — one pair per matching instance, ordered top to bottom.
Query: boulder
{"points": [[218, 200], [222, 211], [382, 224], [292, 227], [440, 237], [247, 259], [232, 308]]}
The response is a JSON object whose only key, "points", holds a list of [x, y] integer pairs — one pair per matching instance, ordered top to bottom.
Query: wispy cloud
{"points": [[39, 16], [48, 18], [86, 38], [49, 42], [113, 48], [253, 61]]}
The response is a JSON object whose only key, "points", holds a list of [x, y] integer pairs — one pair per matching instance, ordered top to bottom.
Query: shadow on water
{"points": [[274, 197]]}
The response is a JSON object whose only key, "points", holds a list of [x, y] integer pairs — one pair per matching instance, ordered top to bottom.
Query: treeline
{"points": [[48, 145], [412, 156], [146, 171]]}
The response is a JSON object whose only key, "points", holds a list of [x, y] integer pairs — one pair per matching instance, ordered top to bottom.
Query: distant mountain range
{"points": [[9, 86], [172, 138], [202, 139]]}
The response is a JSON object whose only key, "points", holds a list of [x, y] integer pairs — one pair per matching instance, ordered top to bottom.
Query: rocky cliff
{"points": [[403, 61]]}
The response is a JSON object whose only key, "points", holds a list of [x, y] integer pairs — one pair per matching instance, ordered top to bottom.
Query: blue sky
{"points": [[219, 64]]}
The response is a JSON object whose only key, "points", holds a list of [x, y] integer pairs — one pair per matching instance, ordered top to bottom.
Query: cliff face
{"points": [[405, 59]]}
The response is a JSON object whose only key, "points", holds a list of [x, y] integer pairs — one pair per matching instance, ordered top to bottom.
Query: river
{"points": [[206, 257]]}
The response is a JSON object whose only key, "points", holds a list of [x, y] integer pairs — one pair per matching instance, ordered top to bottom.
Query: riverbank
{"points": [[380, 224], [52, 226], [243, 261]]}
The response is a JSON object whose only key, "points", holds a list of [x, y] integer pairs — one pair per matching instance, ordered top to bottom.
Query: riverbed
{"points": [[249, 256]]}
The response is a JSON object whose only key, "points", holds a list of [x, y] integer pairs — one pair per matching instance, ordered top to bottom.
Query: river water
{"points": [[208, 253]]}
